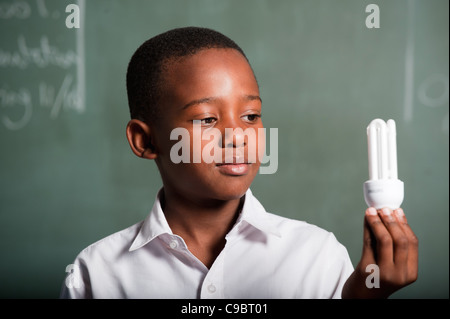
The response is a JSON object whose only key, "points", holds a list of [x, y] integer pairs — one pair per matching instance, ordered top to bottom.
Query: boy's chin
{"points": [[233, 187], [230, 191]]}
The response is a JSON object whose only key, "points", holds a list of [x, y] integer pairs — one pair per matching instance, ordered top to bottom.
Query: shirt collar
{"points": [[253, 213], [154, 225]]}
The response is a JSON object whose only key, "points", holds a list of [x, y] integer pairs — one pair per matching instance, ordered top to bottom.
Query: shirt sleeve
{"points": [[338, 269]]}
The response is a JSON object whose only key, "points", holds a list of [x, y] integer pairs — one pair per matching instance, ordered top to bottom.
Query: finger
{"points": [[403, 222], [383, 239], [399, 239], [369, 243], [413, 243]]}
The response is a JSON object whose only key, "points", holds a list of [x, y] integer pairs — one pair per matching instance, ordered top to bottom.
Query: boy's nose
{"points": [[232, 134], [233, 137]]}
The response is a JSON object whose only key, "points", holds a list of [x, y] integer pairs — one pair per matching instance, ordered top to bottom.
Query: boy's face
{"points": [[218, 88]]}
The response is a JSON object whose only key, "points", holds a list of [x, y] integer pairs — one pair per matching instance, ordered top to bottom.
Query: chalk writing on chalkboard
{"points": [[41, 62]]}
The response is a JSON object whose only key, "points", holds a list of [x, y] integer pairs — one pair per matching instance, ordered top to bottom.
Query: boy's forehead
{"points": [[211, 58], [208, 69], [218, 76]]}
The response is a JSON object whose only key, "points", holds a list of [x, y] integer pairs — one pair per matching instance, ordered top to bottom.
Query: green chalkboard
{"points": [[68, 177]]}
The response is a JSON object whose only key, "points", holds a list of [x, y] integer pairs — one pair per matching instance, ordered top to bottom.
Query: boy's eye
{"points": [[252, 117], [208, 120]]}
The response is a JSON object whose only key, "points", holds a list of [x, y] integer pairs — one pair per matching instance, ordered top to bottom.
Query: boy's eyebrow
{"points": [[247, 97], [252, 98], [200, 101]]}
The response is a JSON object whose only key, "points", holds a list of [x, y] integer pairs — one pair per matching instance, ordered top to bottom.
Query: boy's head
{"points": [[199, 82]]}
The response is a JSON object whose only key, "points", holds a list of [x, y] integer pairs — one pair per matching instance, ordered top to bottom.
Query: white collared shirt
{"points": [[265, 256]]}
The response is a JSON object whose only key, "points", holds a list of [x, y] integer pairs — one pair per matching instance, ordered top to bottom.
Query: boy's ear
{"points": [[139, 137]]}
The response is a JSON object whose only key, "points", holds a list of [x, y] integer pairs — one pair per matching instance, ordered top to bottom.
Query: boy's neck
{"points": [[202, 227]]}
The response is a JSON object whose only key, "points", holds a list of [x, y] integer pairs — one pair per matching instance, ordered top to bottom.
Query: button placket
{"points": [[213, 283]]}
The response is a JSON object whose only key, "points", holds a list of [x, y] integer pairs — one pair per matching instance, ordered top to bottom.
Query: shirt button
{"points": [[173, 244], [211, 288]]}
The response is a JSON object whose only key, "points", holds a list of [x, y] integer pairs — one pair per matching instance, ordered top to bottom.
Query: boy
{"points": [[207, 236]]}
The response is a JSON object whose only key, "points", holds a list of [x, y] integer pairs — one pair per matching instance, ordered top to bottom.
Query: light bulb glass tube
{"points": [[382, 150]]}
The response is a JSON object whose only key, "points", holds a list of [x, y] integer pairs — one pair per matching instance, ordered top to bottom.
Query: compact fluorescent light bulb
{"points": [[383, 189]]}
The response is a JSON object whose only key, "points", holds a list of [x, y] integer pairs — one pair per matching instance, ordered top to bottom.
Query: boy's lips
{"points": [[235, 169]]}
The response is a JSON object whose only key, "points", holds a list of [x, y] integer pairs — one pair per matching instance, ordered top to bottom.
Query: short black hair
{"points": [[144, 72]]}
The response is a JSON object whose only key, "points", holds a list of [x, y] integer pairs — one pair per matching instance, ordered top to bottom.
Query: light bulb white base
{"points": [[384, 193]]}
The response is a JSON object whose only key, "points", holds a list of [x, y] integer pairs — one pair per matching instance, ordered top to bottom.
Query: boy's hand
{"points": [[389, 243]]}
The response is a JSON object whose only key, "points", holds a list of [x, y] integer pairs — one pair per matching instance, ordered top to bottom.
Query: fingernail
{"points": [[371, 211], [387, 213], [400, 214]]}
